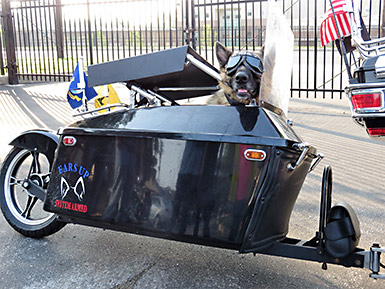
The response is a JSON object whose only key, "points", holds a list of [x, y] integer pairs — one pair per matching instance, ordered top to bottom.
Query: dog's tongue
{"points": [[242, 91]]}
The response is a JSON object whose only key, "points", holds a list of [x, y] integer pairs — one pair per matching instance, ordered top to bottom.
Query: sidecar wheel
{"points": [[22, 210]]}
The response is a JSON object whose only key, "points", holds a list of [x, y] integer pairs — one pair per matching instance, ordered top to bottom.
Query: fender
{"points": [[38, 141]]}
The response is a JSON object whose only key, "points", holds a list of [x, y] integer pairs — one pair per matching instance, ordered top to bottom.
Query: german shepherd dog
{"points": [[241, 74]]}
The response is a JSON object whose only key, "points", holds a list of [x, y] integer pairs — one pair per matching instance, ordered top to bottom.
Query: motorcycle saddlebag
{"points": [[342, 231]]}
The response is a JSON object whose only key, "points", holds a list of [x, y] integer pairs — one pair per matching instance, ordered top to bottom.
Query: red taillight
{"points": [[367, 100], [378, 131], [69, 141]]}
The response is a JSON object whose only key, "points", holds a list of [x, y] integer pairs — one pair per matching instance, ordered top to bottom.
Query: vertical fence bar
{"points": [[177, 3], [370, 18], [379, 19], [382, 21], [219, 22], [246, 24], [205, 25], [164, 26], [193, 26], [59, 29], [292, 29], [212, 30], [152, 32], [199, 32], [129, 38], [53, 40], [95, 40], [112, 40], [9, 42], [20, 44], [307, 46], [315, 49], [37, 50], [91, 56], [49, 59], [324, 64], [66, 69], [2, 70], [44, 70]]}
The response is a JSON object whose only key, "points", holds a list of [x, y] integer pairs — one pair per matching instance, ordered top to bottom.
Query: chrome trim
{"points": [[203, 67], [365, 85], [213, 88], [151, 98], [162, 98], [101, 108], [366, 115], [304, 147], [320, 156]]}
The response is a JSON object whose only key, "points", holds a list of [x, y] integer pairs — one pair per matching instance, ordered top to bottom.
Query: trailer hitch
{"points": [[372, 261]]}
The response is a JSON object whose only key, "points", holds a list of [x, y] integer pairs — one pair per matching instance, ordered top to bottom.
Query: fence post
{"points": [[382, 24], [193, 27], [59, 29], [9, 40], [91, 60], [2, 70]]}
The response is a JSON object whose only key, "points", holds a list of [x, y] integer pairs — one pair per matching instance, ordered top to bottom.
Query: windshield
{"points": [[278, 59]]}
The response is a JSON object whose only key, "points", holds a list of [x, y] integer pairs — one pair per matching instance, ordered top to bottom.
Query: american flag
{"points": [[344, 19]]}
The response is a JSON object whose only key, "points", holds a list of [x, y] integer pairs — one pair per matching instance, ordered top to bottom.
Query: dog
{"points": [[241, 75]]}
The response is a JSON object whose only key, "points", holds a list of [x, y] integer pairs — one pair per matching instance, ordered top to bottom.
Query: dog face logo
{"points": [[241, 74], [79, 188]]}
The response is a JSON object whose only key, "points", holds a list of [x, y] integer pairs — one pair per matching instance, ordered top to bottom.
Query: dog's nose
{"points": [[241, 77]]}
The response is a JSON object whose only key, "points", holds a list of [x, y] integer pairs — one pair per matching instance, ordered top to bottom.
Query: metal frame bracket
{"points": [[372, 261]]}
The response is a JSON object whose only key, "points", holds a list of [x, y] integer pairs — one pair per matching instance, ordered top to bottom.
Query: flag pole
{"points": [[341, 43], [82, 84]]}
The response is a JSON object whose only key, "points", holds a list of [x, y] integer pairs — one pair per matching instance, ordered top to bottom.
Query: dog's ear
{"points": [[263, 49], [260, 51], [223, 54]]}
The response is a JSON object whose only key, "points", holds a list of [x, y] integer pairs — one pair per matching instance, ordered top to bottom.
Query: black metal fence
{"points": [[50, 35]]}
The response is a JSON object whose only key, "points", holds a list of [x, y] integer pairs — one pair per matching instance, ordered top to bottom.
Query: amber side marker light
{"points": [[367, 100], [378, 131], [69, 141], [255, 155]]}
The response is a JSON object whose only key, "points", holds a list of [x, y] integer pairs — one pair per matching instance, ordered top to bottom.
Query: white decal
{"points": [[79, 188]]}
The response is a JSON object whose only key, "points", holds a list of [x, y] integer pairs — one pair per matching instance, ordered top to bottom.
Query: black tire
{"points": [[23, 211]]}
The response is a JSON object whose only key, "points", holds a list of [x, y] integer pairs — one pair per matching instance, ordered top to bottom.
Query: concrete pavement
{"points": [[83, 257]]}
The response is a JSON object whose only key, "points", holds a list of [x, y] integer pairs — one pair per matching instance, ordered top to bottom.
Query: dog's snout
{"points": [[241, 77]]}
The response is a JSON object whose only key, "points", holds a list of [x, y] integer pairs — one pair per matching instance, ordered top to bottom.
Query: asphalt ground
{"points": [[85, 257]]}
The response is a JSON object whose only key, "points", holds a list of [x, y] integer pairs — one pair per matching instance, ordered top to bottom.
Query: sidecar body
{"points": [[216, 175], [226, 176]]}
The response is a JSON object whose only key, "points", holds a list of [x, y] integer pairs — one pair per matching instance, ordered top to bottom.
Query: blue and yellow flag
{"points": [[79, 87]]}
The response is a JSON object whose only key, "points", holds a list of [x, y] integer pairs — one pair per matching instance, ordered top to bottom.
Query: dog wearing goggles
{"points": [[241, 74]]}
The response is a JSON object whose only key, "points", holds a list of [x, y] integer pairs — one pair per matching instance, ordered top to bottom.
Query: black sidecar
{"points": [[224, 173], [223, 176]]}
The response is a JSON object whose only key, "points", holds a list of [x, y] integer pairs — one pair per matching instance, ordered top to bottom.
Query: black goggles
{"points": [[250, 60]]}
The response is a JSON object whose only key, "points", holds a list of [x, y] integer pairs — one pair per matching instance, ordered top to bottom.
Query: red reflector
{"points": [[366, 100], [376, 131], [69, 141]]}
